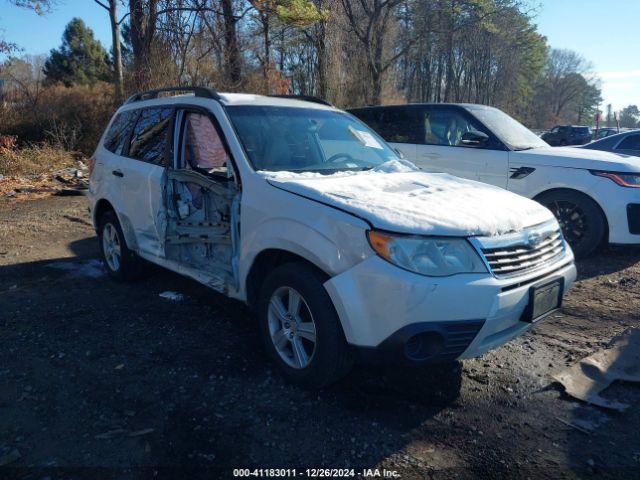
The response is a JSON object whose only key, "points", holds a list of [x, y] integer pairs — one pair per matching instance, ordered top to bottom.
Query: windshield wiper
{"points": [[523, 149]]}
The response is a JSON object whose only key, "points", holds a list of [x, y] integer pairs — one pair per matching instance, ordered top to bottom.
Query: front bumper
{"points": [[615, 201], [382, 308]]}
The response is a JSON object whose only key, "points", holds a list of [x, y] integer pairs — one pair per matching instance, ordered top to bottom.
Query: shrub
{"points": [[71, 118], [33, 160]]}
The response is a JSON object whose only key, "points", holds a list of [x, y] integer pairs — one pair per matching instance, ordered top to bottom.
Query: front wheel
{"points": [[582, 222], [300, 328]]}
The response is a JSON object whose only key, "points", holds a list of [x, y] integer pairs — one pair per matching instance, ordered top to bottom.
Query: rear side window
{"points": [[368, 116], [394, 124], [119, 132], [150, 135], [632, 142]]}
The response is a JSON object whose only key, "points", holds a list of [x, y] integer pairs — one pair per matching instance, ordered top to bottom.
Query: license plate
{"points": [[543, 299]]}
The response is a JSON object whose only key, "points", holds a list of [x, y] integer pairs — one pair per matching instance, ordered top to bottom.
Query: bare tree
{"points": [[112, 7], [370, 22], [231, 45], [566, 78]]}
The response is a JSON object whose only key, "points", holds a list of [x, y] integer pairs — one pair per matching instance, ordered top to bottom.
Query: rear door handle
{"points": [[118, 173]]}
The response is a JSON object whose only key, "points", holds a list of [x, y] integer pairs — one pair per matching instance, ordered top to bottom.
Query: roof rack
{"points": [[204, 92], [306, 98]]}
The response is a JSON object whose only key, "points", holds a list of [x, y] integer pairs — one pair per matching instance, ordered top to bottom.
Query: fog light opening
{"points": [[424, 345]]}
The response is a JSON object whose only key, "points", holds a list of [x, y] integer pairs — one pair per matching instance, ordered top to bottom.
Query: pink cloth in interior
{"points": [[204, 143]]}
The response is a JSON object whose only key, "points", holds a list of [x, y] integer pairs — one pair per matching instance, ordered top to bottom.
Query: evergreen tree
{"points": [[80, 59]]}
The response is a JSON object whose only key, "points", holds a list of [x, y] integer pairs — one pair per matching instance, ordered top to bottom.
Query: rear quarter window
{"points": [[367, 116], [394, 124], [119, 132], [150, 136], [632, 142]]}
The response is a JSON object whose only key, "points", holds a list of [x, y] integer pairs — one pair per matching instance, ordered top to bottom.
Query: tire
{"points": [[581, 219], [123, 266], [328, 358]]}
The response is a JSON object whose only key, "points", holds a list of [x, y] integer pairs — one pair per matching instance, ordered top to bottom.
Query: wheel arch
{"points": [[577, 192], [102, 206], [265, 262]]}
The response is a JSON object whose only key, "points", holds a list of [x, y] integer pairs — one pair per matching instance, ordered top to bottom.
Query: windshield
{"points": [[512, 133], [307, 139]]}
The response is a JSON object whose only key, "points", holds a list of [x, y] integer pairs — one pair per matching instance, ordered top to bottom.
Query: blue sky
{"points": [[607, 33]]}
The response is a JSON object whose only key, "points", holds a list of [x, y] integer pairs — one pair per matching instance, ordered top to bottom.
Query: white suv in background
{"points": [[594, 195], [341, 248]]}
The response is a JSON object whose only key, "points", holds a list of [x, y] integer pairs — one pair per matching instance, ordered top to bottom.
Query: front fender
{"points": [[333, 246]]}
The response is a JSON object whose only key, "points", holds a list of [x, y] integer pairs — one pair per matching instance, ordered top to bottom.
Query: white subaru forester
{"points": [[343, 250]]}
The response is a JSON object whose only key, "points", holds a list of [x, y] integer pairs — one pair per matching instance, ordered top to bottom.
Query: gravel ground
{"points": [[107, 380]]}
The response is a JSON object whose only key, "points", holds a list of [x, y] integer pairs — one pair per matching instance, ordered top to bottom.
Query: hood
{"points": [[576, 157], [405, 200]]}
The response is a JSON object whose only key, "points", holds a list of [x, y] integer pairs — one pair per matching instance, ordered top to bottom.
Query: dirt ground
{"points": [[107, 380]]}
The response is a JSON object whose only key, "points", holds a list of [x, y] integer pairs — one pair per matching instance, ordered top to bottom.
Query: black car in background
{"points": [[604, 132], [561, 135]]}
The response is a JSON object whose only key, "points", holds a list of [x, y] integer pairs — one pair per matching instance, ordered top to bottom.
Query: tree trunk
{"points": [[143, 26], [232, 51], [321, 53], [449, 56], [266, 65], [375, 66], [118, 81], [375, 95]]}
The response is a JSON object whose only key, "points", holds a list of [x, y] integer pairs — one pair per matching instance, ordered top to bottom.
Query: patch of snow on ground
{"points": [[86, 268], [173, 296]]}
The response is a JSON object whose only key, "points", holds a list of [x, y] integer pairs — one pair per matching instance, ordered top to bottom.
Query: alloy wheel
{"points": [[572, 220], [111, 246], [292, 328]]}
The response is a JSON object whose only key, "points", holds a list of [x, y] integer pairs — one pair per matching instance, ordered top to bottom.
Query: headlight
{"points": [[631, 180], [431, 256]]}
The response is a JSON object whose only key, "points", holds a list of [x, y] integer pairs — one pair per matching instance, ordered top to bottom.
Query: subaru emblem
{"points": [[533, 239]]}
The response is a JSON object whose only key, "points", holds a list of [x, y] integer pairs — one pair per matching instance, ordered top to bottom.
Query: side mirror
{"points": [[474, 139]]}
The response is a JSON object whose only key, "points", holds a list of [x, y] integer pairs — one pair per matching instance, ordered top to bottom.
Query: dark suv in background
{"points": [[567, 135]]}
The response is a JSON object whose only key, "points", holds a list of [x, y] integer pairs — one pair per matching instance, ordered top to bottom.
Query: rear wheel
{"points": [[582, 222], [121, 263], [300, 327]]}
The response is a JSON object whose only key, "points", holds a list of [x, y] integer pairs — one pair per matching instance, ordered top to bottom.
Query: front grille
{"points": [[523, 256]]}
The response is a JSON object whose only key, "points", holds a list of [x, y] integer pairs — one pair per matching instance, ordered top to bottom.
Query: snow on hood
{"points": [[576, 157], [398, 197]]}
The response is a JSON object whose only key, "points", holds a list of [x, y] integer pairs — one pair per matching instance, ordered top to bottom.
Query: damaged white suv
{"points": [[343, 249]]}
